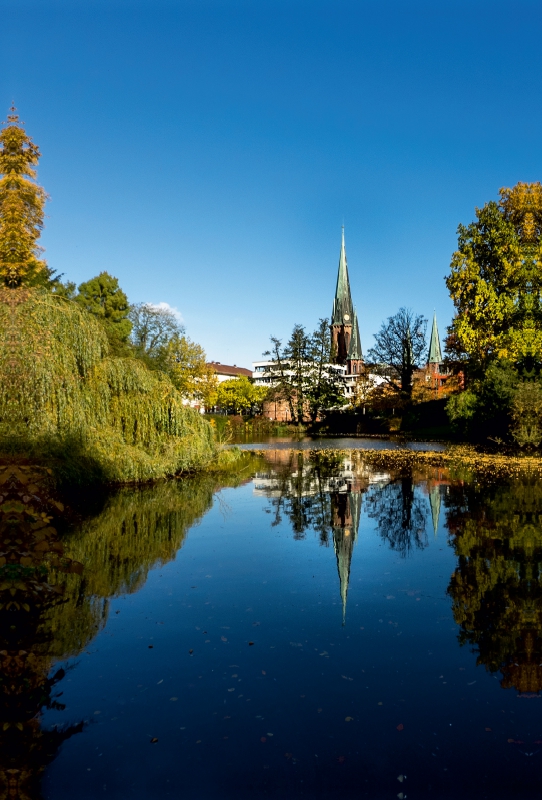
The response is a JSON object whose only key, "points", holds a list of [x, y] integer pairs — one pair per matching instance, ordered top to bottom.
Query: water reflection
{"points": [[33, 569], [496, 589], [55, 590], [52, 605]]}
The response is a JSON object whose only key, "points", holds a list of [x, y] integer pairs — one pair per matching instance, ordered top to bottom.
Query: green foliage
{"points": [[495, 281], [103, 297], [153, 328], [186, 364], [301, 374], [62, 395], [239, 395], [484, 409], [526, 414]]}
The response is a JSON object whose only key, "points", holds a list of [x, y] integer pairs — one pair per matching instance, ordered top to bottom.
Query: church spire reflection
{"points": [[346, 513]]}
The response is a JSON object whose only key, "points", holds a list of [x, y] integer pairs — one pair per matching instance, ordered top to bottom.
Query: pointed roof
{"points": [[342, 304], [354, 349], [435, 353], [434, 502], [344, 539]]}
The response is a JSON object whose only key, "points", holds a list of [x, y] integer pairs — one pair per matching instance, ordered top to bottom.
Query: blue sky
{"points": [[207, 152]]}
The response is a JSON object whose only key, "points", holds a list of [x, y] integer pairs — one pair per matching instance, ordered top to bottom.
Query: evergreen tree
{"points": [[22, 204], [103, 297]]}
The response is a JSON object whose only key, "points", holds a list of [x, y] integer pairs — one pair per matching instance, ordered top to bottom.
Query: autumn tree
{"points": [[22, 204], [495, 282], [103, 297], [399, 348], [186, 364], [240, 395]]}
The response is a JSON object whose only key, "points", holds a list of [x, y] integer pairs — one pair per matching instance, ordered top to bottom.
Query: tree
{"points": [[22, 204], [495, 282], [103, 297], [153, 328], [495, 339], [399, 347], [186, 364], [301, 372], [324, 389], [239, 395]]}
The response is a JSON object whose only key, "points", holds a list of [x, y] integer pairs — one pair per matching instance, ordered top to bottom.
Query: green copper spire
{"points": [[343, 310], [354, 350], [435, 354], [434, 502], [344, 538]]}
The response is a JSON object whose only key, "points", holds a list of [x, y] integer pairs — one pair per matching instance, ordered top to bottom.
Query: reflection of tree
{"points": [[301, 493], [400, 514], [29, 552], [497, 588], [51, 605]]}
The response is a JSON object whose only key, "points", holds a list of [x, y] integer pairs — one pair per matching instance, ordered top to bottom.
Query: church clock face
{"points": [[346, 317]]}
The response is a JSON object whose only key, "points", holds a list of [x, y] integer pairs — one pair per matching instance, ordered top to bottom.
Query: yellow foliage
{"points": [[22, 204]]}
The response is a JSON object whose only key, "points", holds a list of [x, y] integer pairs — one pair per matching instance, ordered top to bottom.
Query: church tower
{"points": [[345, 339]]}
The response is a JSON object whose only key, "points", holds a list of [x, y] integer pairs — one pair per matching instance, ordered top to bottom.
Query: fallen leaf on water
{"points": [[223, 639], [250, 643], [190, 651], [348, 719], [400, 726], [154, 740]]}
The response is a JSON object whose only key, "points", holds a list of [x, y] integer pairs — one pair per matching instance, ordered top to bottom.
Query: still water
{"points": [[307, 627]]}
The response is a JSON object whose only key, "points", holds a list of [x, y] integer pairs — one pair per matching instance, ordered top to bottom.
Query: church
{"points": [[346, 357]]}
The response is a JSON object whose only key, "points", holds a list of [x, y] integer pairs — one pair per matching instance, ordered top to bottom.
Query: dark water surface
{"points": [[318, 630]]}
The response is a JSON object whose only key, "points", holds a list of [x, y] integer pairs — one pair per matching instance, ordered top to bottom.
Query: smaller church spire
{"points": [[354, 349], [435, 353]]}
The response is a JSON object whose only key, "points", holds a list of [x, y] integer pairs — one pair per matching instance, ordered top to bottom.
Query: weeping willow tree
{"points": [[62, 395]]}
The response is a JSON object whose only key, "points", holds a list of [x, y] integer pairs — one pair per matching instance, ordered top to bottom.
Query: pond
{"points": [[305, 627]]}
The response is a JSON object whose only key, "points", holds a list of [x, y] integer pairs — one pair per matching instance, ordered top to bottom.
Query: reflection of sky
{"points": [[175, 663]]}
